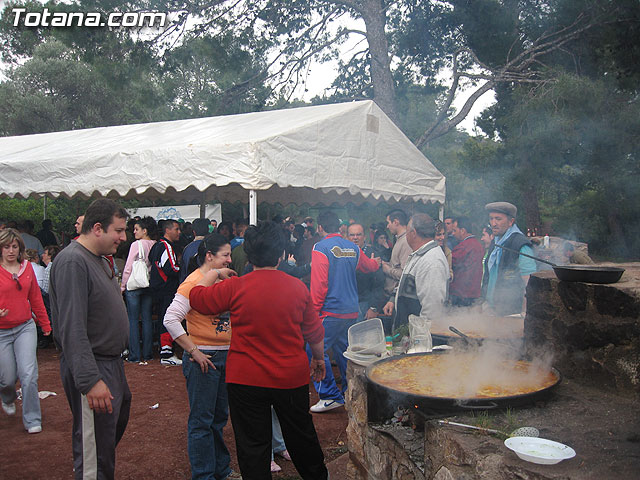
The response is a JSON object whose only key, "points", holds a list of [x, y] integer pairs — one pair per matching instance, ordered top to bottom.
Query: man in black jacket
{"points": [[163, 281], [371, 296]]}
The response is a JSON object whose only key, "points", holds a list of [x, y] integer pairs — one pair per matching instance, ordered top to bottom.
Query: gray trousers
{"points": [[18, 360], [95, 435]]}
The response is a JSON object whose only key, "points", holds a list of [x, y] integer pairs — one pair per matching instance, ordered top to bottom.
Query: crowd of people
{"points": [[257, 312]]}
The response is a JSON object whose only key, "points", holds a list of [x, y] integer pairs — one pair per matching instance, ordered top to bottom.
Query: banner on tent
{"points": [[187, 212]]}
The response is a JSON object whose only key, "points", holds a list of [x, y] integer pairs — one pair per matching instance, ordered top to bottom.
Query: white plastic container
{"points": [[367, 337]]}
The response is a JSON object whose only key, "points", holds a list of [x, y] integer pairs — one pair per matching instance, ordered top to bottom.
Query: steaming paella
{"points": [[466, 376]]}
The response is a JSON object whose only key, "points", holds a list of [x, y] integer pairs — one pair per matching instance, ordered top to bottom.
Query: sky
{"points": [[323, 74]]}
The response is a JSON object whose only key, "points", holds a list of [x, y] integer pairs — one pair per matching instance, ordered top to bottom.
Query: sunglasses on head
{"points": [[15, 277]]}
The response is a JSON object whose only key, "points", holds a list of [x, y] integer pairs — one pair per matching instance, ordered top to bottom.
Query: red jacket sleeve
{"points": [[366, 264], [319, 279], [212, 300], [37, 304], [311, 327]]}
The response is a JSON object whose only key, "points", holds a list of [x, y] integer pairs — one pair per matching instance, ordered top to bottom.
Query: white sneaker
{"points": [[173, 360], [325, 406], [9, 408], [36, 429], [275, 467]]}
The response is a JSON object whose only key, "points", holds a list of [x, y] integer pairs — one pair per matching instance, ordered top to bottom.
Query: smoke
{"points": [[477, 325], [491, 360], [491, 365], [491, 370]]}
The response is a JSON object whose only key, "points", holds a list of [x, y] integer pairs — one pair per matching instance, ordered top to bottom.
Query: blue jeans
{"points": [[139, 304], [335, 338], [18, 360], [209, 411]]}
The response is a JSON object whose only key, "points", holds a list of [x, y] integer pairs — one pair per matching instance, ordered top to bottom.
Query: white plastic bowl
{"points": [[363, 359], [539, 450]]}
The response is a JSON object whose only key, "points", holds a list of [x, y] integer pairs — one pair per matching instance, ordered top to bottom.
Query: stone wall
{"points": [[592, 331], [374, 455]]}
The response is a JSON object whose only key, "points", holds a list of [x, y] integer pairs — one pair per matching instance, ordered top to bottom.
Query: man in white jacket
{"points": [[423, 284]]}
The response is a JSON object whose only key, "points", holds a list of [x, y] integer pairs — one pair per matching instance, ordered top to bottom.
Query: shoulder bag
{"points": [[139, 277]]}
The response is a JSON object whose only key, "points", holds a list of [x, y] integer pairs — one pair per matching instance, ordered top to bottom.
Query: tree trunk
{"points": [[384, 94], [530, 197], [532, 209], [617, 240]]}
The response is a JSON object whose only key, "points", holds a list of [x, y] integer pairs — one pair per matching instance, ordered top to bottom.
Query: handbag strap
{"points": [[140, 250]]}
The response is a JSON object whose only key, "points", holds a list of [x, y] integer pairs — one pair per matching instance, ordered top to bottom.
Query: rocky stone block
{"points": [[611, 301], [591, 330]]}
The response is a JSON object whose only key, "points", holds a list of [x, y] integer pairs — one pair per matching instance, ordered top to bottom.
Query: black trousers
{"points": [[250, 409], [95, 435]]}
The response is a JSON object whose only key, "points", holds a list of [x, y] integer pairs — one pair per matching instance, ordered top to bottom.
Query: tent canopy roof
{"points": [[338, 153]]}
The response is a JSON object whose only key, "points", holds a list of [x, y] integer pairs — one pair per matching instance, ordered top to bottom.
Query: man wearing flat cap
{"points": [[506, 272]]}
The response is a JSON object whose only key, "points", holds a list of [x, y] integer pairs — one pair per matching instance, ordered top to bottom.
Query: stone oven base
{"points": [[592, 331], [602, 427]]}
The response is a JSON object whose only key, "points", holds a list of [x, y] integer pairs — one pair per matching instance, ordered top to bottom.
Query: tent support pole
{"points": [[44, 205], [203, 205], [253, 207], [441, 212]]}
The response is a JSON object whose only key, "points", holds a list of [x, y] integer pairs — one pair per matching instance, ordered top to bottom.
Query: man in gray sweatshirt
{"points": [[423, 284], [91, 329]]}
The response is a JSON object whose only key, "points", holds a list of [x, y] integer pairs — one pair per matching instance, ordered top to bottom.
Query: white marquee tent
{"points": [[326, 154]]}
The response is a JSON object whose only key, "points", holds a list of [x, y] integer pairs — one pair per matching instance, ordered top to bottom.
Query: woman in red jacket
{"points": [[20, 300], [272, 317]]}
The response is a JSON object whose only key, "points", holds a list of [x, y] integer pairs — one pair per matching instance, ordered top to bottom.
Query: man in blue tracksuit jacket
{"points": [[334, 292]]}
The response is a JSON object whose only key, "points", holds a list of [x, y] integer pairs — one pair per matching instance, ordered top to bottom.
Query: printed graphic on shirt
{"points": [[343, 252], [222, 324]]}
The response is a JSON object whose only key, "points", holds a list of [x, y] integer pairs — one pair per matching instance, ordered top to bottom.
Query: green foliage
{"points": [[491, 28], [422, 35], [200, 75], [69, 78], [55, 90], [576, 139], [473, 171], [61, 211], [483, 420], [511, 420]]}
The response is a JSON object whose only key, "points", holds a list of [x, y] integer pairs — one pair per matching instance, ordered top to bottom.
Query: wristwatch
{"points": [[190, 352]]}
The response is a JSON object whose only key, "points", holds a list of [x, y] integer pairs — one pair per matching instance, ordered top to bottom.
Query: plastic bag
{"points": [[420, 334]]}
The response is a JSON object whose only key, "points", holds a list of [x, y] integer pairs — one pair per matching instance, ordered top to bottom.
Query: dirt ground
{"points": [[155, 443]]}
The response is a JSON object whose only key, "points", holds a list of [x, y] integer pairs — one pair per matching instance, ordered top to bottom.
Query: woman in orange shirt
{"points": [[273, 317], [204, 365]]}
